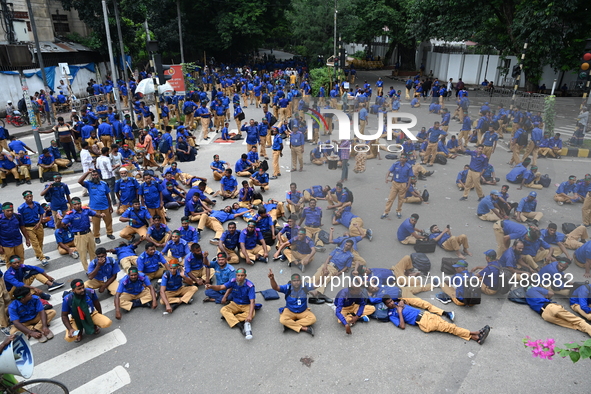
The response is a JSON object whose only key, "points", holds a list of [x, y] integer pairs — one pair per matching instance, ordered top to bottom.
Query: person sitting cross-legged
{"points": [[86, 311]]}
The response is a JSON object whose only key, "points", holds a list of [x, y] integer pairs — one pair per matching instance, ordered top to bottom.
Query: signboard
{"points": [[65, 69], [177, 81]]}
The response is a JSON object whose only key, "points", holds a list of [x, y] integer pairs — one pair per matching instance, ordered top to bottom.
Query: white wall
{"points": [[454, 68], [471, 72], [490, 72]]}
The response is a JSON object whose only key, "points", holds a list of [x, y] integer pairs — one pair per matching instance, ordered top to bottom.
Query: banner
{"points": [[177, 81]]}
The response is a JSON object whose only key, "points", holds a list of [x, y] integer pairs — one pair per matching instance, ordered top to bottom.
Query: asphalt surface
{"points": [[193, 350]]}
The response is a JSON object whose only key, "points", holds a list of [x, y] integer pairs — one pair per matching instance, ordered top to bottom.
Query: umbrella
{"points": [[146, 86]]}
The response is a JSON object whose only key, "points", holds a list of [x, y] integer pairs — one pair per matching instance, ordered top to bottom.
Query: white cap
{"points": [[123, 170]]}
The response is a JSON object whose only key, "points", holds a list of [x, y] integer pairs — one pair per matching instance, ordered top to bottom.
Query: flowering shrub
{"points": [[546, 349]]}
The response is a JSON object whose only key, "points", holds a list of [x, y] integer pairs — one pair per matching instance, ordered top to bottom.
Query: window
{"points": [[60, 23]]}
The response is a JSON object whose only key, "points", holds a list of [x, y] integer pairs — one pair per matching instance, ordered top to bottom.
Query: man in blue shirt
{"points": [[489, 140], [297, 141], [431, 152], [46, 163], [478, 163], [7, 166], [218, 167], [399, 174], [260, 179], [228, 185], [126, 189], [59, 194], [565, 194], [151, 196], [294, 199], [100, 202], [488, 208], [526, 210], [32, 214], [312, 217], [138, 218], [80, 225], [505, 231], [158, 232], [407, 233], [64, 238], [229, 242], [450, 242], [252, 244], [176, 247], [299, 248], [582, 258], [151, 262], [337, 262], [197, 270], [102, 273], [223, 273], [491, 275], [555, 278], [453, 287], [172, 290], [134, 291], [540, 301], [580, 301], [351, 307], [241, 308], [401, 314], [28, 315], [295, 315]]}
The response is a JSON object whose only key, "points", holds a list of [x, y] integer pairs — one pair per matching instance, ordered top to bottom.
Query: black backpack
{"points": [[188, 110], [272, 121], [522, 140], [163, 146], [440, 159], [545, 180], [425, 195], [350, 197], [568, 228], [421, 262], [503, 285], [472, 290], [518, 295]]}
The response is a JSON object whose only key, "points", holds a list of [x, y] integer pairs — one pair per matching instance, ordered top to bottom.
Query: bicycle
{"points": [[37, 386]]}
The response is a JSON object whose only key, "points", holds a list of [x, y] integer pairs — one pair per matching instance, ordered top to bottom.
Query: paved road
{"points": [[193, 350]]}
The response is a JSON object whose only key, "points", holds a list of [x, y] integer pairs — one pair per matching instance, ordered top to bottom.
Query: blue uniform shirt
{"points": [[477, 163], [401, 173], [515, 173], [229, 183], [128, 190], [98, 193], [57, 194], [151, 194], [485, 205], [526, 206], [31, 215], [313, 217], [138, 218], [79, 220], [405, 229], [514, 230], [158, 233], [190, 234], [63, 235], [230, 240], [250, 240], [178, 249], [584, 252], [341, 258], [148, 264], [110, 268], [16, 277], [172, 282], [126, 285], [241, 295], [582, 297], [537, 298], [345, 299], [295, 300], [25, 312], [409, 313]]}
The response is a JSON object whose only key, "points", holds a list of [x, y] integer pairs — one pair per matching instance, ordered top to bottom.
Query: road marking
{"points": [[78, 356], [106, 383]]}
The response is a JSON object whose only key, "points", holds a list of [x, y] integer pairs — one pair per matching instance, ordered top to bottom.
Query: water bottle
{"points": [[247, 331]]}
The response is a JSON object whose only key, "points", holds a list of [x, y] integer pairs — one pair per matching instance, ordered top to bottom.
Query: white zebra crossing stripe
{"points": [[73, 358], [106, 383]]}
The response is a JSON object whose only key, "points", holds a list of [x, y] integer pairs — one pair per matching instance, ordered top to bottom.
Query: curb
{"points": [[568, 151], [35, 174]]}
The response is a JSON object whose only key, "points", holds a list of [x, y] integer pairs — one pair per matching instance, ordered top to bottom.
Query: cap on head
{"points": [[495, 193], [533, 194], [491, 254], [460, 264]]}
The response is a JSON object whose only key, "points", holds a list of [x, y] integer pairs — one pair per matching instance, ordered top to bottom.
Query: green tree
{"points": [[555, 31]]}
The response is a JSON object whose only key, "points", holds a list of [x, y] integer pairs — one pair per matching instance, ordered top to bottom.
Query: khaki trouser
{"points": [[205, 127], [106, 140], [533, 150], [487, 151], [430, 153], [297, 155], [515, 159], [42, 170], [24, 172], [218, 175], [473, 181], [254, 182], [398, 189], [230, 193], [562, 197], [412, 200], [121, 209], [587, 210], [157, 211], [531, 215], [489, 217], [96, 222], [212, 224], [356, 228], [128, 231], [313, 232], [499, 236], [36, 237], [573, 239], [410, 240], [454, 243], [85, 245], [18, 250], [255, 252], [292, 255], [231, 256], [538, 258], [128, 262], [399, 270], [202, 273], [156, 274], [319, 277], [29, 281], [95, 284], [451, 291], [184, 294], [5, 299], [126, 299], [577, 308], [349, 311], [234, 313], [556, 314], [98, 319], [296, 321], [430, 322], [35, 323]]}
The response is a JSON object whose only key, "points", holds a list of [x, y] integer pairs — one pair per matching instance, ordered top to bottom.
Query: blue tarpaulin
{"points": [[50, 72]]}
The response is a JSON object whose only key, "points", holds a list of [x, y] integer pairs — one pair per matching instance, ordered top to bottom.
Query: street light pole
{"points": [[178, 11], [110, 47], [334, 52], [40, 56], [123, 60], [520, 72]]}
